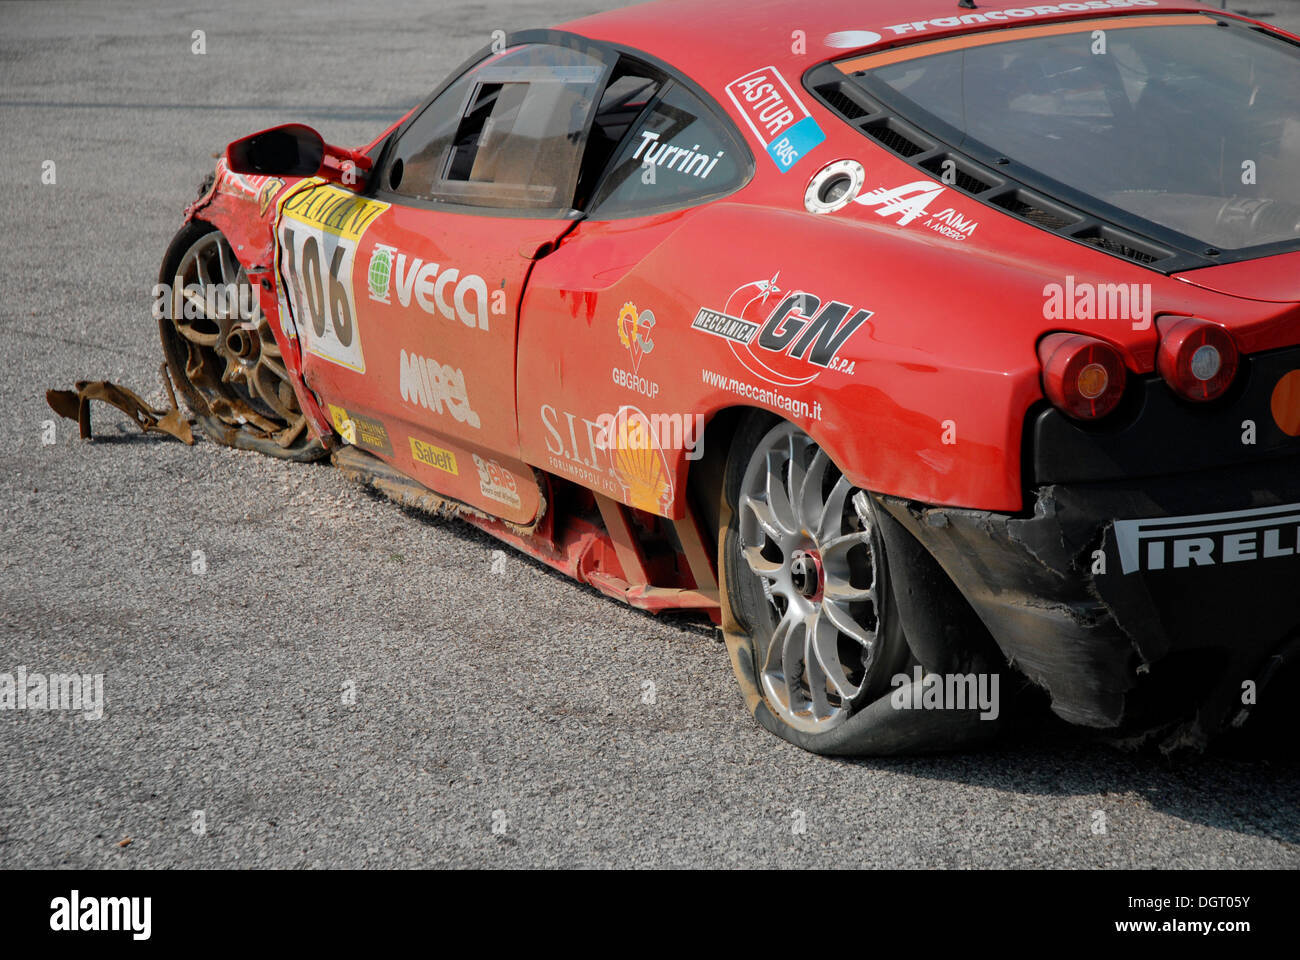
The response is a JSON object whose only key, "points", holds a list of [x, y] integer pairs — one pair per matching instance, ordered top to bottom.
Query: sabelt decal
{"points": [[864, 38], [776, 116], [319, 232], [787, 339], [361, 431], [433, 456], [1177, 543]]}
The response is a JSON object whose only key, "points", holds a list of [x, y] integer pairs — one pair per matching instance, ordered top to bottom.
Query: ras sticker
{"points": [[776, 116], [319, 231], [786, 340]]}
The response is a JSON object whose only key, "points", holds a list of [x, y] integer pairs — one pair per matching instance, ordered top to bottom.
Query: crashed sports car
{"points": [[920, 346]]}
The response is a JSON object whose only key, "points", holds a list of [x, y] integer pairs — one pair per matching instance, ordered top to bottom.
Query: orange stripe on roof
{"points": [[986, 37]]}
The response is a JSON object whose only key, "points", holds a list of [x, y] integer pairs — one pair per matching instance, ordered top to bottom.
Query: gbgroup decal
{"points": [[865, 38], [776, 116], [912, 201], [319, 231], [437, 290], [636, 333], [785, 338], [424, 382], [361, 431]]}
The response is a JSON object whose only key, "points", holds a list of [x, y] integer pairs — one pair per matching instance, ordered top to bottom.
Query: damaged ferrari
{"points": [[933, 350]]}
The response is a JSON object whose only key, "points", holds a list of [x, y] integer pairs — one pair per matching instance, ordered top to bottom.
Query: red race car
{"points": [[938, 352]]}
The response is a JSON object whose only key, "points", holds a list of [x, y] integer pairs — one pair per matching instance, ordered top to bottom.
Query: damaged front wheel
{"points": [[221, 352]]}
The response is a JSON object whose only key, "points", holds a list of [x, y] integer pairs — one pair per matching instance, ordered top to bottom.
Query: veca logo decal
{"points": [[437, 290]]}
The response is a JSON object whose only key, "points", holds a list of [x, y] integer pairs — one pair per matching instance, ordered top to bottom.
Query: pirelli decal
{"points": [[1208, 539]]}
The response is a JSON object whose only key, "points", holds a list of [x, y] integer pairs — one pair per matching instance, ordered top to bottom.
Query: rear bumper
{"points": [[1134, 603]]}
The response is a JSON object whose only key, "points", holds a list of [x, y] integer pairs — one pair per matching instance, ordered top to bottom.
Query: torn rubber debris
{"points": [[75, 405]]}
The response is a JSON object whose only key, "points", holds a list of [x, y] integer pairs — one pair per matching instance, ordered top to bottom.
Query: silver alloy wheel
{"points": [[229, 343], [808, 535]]}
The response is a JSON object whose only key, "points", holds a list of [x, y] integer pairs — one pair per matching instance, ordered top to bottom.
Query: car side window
{"points": [[509, 134], [677, 154]]}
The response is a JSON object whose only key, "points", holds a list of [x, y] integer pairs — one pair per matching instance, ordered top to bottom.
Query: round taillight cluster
{"points": [[1198, 359], [1082, 376]]}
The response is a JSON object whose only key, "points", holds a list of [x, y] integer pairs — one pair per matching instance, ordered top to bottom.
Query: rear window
{"points": [[1189, 125]]}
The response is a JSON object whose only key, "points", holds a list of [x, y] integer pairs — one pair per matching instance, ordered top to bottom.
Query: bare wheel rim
{"points": [[231, 356], [808, 535]]}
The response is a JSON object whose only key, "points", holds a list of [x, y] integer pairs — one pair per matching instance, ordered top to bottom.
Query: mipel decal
{"points": [[776, 116], [787, 340], [424, 382]]}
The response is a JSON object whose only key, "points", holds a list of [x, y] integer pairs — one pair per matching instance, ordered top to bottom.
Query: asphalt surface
{"points": [[488, 690]]}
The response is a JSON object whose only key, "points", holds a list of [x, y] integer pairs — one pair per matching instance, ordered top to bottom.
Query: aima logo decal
{"points": [[775, 115], [912, 201], [438, 291], [785, 339], [1176, 543]]}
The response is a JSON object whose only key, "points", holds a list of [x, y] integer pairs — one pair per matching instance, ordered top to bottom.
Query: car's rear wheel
{"points": [[221, 353], [806, 584]]}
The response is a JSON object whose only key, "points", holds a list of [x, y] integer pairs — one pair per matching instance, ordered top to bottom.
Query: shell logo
{"points": [[1286, 404], [638, 462]]}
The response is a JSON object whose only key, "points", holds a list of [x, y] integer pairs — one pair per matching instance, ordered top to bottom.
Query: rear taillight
{"points": [[1198, 359], [1082, 376]]}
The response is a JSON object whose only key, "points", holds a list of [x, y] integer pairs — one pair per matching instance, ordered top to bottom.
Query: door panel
{"points": [[408, 319]]}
